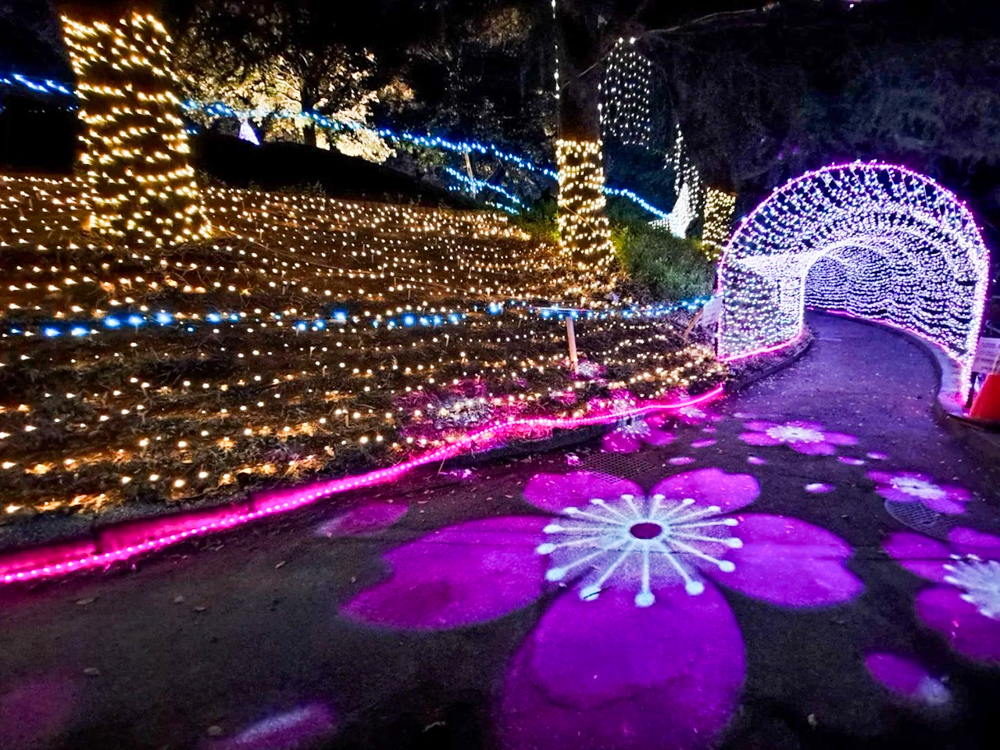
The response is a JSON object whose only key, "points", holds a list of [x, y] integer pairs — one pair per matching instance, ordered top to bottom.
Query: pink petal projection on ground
{"points": [[819, 488], [367, 519], [789, 562], [461, 575], [607, 674], [907, 679]]}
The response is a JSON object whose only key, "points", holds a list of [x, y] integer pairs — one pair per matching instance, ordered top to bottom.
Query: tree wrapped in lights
{"points": [[140, 186], [719, 207], [584, 233], [873, 240]]}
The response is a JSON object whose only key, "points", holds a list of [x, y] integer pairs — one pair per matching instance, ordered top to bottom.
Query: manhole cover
{"points": [[633, 466], [921, 518]]}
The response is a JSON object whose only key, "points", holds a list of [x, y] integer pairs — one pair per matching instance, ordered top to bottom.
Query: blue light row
{"points": [[36, 85], [217, 109], [479, 186], [135, 321], [110, 323]]}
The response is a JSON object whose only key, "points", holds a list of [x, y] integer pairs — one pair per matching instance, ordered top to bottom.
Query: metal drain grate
{"points": [[634, 466], [921, 518]]}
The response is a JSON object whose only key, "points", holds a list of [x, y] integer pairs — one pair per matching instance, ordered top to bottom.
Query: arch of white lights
{"points": [[872, 240]]}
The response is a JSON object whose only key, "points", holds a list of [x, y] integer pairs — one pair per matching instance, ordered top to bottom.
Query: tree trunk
{"points": [[578, 37], [308, 99], [584, 234]]}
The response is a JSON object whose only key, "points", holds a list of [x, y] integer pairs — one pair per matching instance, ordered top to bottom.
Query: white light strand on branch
{"points": [[625, 95], [687, 187], [873, 240]]}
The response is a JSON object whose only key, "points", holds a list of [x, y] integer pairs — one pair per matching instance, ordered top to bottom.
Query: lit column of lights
{"points": [[625, 95], [140, 186], [718, 221], [584, 232], [873, 240]]}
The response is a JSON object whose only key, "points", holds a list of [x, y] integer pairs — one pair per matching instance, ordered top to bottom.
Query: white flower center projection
{"points": [[872, 240], [634, 427], [791, 434], [918, 488], [638, 541], [980, 580]]}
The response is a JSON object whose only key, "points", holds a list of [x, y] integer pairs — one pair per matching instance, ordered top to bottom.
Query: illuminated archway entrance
{"points": [[872, 240]]}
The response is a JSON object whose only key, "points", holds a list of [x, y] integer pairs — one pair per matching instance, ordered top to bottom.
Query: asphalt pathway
{"points": [[425, 616]]}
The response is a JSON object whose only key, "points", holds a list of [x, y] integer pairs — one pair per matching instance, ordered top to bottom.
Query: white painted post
{"points": [[571, 337]]}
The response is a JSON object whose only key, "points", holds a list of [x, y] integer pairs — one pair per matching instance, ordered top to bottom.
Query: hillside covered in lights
{"points": [[307, 337]]}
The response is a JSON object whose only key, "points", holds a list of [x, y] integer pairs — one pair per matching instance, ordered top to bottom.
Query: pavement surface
{"points": [[426, 616]]}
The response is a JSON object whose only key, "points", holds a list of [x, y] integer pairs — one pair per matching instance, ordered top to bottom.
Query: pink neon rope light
{"points": [[121, 541]]}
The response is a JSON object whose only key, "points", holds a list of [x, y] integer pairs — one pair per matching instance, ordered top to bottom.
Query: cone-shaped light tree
{"points": [[139, 185]]}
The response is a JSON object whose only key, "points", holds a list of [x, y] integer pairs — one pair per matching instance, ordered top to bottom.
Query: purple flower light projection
{"points": [[589, 370], [453, 411], [693, 415], [631, 433], [808, 438], [851, 460], [909, 487], [819, 488], [367, 519], [964, 605], [638, 649], [907, 679], [34, 711]]}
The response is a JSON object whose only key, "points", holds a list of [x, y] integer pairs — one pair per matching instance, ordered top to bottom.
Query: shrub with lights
{"points": [[873, 240], [311, 335]]}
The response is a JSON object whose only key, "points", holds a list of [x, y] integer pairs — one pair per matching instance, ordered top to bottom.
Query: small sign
{"points": [[987, 355]]}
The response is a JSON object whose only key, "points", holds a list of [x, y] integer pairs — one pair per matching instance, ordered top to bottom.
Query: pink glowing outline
{"points": [[981, 263], [765, 350], [39, 560]]}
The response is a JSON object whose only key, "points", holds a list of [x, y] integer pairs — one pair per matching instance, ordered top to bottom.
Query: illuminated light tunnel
{"points": [[872, 240]]}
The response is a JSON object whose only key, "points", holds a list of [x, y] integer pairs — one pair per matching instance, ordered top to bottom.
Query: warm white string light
{"points": [[140, 184], [718, 221], [283, 344]]}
